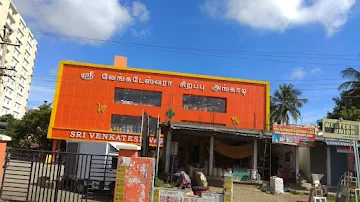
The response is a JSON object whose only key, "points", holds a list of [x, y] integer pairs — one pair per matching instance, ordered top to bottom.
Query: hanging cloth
{"points": [[235, 152]]}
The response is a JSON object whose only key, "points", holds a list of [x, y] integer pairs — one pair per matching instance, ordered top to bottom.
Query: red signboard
{"points": [[293, 135], [344, 149]]}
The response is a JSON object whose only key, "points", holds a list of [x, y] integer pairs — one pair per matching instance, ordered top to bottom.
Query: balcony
{"points": [[11, 15], [9, 24], [21, 31], [19, 38], [16, 58], [26, 58], [11, 86], [8, 93], [7, 102]]}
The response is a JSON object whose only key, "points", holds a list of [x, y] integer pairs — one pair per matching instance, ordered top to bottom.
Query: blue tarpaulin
{"points": [[339, 143]]}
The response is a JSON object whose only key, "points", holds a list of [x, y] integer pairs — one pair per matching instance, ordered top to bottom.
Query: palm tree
{"points": [[354, 84], [351, 89], [286, 103]]}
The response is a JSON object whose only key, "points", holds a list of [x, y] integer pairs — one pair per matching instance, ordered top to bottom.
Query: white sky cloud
{"points": [[140, 11], [278, 15], [83, 18], [142, 33], [316, 70], [53, 71], [298, 73], [40, 93]]}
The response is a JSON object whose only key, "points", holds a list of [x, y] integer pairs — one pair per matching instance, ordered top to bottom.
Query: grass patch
{"points": [[162, 184], [294, 192]]}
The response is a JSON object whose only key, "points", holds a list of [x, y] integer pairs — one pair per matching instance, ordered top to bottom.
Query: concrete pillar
{"points": [[3, 142], [168, 151], [211, 154], [255, 155], [328, 166], [297, 171]]}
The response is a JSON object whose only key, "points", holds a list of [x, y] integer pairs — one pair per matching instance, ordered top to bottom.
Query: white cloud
{"points": [[140, 11], [278, 15], [82, 18], [142, 33], [316, 70], [53, 71], [298, 73], [40, 93]]}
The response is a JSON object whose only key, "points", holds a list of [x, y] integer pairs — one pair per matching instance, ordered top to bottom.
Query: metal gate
{"points": [[37, 176]]}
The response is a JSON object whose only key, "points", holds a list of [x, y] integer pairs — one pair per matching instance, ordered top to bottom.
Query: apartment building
{"points": [[15, 86]]}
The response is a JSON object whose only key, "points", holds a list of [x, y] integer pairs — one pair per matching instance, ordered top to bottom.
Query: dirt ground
{"points": [[250, 193]]}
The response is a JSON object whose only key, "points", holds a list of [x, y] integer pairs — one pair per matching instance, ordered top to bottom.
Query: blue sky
{"points": [[259, 36]]}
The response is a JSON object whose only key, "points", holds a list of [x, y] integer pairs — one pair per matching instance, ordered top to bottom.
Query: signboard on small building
{"points": [[340, 129], [294, 135], [344, 149]]}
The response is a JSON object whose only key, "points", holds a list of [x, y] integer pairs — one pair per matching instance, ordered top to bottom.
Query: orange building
{"points": [[105, 103]]}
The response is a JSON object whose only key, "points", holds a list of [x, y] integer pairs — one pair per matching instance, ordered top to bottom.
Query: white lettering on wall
{"points": [[87, 76], [136, 79], [164, 83], [189, 86], [224, 88], [111, 137]]}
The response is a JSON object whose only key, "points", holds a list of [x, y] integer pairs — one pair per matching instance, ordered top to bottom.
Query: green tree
{"points": [[352, 86], [286, 103], [347, 106], [34, 126], [11, 128], [31, 129]]}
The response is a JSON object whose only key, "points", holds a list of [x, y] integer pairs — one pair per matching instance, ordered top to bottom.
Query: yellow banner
{"points": [[119, 183]]}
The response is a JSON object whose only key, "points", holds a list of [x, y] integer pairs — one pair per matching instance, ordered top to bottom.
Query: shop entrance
{"points": [[230, 154], [283, 158]]}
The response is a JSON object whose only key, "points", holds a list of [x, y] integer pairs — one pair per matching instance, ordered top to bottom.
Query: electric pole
{"points": [[5, 41]]}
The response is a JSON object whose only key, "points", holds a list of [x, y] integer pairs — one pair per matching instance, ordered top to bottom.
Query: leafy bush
{"points": [[161, 183]]}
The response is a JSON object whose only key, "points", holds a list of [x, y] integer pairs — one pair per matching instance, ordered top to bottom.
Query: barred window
{"points": [[137, 97], [204, 103], [130, 124]]}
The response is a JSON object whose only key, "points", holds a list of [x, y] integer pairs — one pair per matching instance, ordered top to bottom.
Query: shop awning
{"points": [[219, 129], [338, 143]]}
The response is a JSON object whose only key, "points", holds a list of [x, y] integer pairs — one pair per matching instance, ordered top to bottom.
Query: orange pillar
{"points": [[120, 61], [3, 142], [54, 146]]}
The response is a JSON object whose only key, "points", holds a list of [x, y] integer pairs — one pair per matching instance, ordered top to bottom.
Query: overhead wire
{"points": [[191, 49], [194, 51]]}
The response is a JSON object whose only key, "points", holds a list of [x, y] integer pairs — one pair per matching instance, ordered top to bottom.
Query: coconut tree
{"points": [[353, 84], [351, 88], [286, 103]]}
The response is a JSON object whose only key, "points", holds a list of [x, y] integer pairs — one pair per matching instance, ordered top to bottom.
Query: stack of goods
{"points": [[276, 185]]}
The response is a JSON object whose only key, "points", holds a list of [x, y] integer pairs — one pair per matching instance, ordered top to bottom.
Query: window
{"points": [[137, 97], [6, 101], [203, 103], [5, 111], [130, 124], [114, 161]]}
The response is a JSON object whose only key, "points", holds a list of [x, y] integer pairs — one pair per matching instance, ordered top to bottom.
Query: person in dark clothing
{"points": [[184, 180]]}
